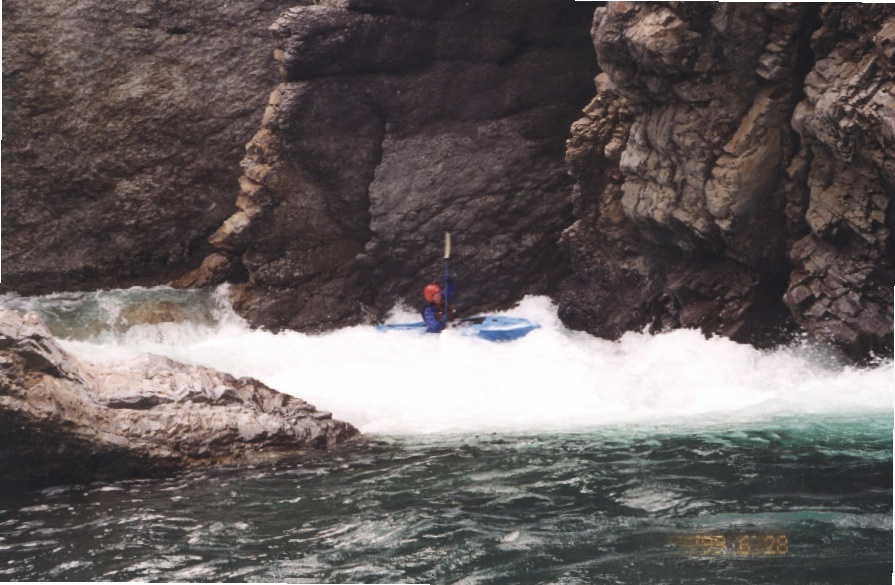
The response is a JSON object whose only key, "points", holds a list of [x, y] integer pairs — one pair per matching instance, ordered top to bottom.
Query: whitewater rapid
{"points": [[554, 379]]}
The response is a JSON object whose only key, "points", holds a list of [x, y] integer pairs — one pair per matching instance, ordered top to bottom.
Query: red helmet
{"points": [[430, 291]]}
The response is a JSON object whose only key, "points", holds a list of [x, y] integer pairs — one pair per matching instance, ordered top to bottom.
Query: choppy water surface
{"points": [[691, 461], [791, 502]]}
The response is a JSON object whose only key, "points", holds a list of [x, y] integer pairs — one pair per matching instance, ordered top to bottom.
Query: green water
{"points": [[788, 500]]}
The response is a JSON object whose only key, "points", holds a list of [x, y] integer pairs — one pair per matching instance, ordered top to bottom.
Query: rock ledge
{"points": [[64, 420]]}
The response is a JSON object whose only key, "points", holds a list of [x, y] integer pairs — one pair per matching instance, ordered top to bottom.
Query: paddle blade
{"points": [[447, 245]]}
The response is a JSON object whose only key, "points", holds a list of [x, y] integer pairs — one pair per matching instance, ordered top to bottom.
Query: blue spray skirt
{"points": [[490, 327]]}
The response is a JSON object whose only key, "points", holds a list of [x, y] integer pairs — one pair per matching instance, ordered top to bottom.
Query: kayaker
{"points": [[433, 312]]}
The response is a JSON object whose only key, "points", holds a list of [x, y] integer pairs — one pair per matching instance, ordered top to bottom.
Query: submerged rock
{"points": [[151, 313], [65, 420]]}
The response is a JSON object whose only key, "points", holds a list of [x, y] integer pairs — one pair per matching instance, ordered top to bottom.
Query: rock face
{"points": [[396, 121], [123, 127], [734, 171], [698, 205], [844, 262], [67, 420]]}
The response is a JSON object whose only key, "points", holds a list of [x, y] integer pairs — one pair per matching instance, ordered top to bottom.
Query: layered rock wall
{"points": [[721, 173], [843, 262]]}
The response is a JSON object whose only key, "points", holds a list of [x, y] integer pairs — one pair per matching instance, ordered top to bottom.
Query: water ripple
{"points": [[605, 506]]}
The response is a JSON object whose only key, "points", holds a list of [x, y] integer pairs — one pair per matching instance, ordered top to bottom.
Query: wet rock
{"points": [[394, 122], [123, 127], [733, 206], [680, 223], [215, 269], [843, 270], [68, 420]]}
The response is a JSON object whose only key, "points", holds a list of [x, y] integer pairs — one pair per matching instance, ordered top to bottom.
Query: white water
{"points": [[404, 382]]}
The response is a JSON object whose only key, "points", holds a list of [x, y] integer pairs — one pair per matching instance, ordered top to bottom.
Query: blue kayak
{"points": [[490, 327]]}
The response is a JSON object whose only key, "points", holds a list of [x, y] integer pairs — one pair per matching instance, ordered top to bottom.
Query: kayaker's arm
{"points": [[449, 290]]}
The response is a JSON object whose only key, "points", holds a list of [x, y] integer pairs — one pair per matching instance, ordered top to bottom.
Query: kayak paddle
{"points": [[447, 256]]}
